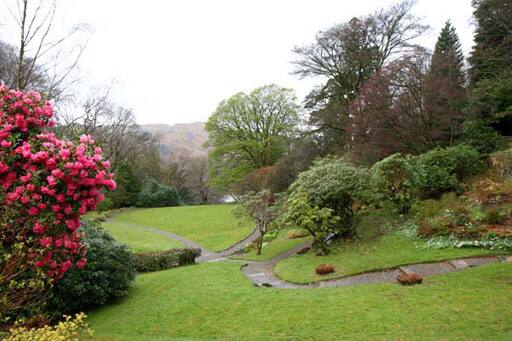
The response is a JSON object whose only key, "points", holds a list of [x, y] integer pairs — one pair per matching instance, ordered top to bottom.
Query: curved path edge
{"points": [[207, 255], [261, 273]]}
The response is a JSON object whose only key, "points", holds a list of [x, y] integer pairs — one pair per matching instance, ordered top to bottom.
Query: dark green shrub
{"points": [[481, 137], [440, 170], [393, 178], [128, 186], [154, 194], [105, 205], [423, 209], [156, 261], [106, 277]]}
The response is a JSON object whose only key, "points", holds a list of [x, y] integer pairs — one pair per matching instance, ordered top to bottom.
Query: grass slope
{"points": [[211, 226], [139, 240], [378, 247], [274, 248], [215, 301]]}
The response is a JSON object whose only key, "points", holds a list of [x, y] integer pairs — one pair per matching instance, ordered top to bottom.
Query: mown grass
{"points": [[211, 226], [139, 240], [379, 247], [274, 248], [216, 301]]}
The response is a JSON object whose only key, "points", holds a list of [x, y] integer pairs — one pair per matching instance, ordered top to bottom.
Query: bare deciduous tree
{"points": [[44, 63]]}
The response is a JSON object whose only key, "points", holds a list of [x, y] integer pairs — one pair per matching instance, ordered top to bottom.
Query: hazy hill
{"points": [[179, 140]]}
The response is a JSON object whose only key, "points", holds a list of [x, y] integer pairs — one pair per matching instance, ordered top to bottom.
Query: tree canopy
{"points": [[250, 131]]}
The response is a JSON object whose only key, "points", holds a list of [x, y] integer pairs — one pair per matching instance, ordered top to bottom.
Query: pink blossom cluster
{"points": [[48, 182]]}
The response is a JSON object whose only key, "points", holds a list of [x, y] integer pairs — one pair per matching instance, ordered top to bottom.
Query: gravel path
{"points": [[261, 274]]}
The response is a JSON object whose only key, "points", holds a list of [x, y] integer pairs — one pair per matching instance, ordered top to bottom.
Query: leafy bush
{"points": [[481, 137], [440, 170], [393, 178], [336, 185], [154, 194], [105, 205], [319, 222], [156, 261], [106, 277], [69, 329]]}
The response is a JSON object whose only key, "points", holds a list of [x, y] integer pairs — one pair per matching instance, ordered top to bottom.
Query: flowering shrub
{"points": [[45, 185], [69, 329]]}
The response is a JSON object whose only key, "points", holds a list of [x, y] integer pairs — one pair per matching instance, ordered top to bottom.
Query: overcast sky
{"points": [[174, 61]]}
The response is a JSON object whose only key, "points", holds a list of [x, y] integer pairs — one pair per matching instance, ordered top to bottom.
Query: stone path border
{"points": [[261, 273]]}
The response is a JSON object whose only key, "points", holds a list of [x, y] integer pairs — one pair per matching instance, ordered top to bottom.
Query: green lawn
{"points": [[211, 226], [139, 240], [274, 248], [388, 251], [216, 301]]}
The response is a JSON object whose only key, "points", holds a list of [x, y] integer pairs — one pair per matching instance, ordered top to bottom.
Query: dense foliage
{"points": [[250, 131], [480, 136], [440, 170], [393, 178], [154, 194], [323, 199], [156, 261], [106, 277]]}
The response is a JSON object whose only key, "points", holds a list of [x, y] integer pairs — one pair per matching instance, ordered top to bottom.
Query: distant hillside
{"points": [[179, 140]]}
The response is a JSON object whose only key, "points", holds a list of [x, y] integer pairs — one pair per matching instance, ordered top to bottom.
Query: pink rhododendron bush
{"points": [[46, 184]]}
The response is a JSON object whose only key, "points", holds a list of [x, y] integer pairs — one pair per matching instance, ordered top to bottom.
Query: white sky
{"points": [[174, 61]]}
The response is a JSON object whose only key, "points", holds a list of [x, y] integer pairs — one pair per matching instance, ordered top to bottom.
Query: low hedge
{"points": [[156, 261]]}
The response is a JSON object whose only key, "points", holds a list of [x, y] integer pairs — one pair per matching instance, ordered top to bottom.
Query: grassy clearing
{"points": [[211, 226], [140, 240], [274, 248], [377, 248], [215, 301]]}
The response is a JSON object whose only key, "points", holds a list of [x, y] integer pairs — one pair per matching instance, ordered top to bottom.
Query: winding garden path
{"points": [[261, 273]]}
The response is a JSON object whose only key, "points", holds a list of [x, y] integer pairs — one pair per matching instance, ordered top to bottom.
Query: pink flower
{"points": [[33, 211], [46, 242]]}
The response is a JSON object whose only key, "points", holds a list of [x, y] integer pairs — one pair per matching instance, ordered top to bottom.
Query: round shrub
{"points": [[481, 137], [440, 170], [393, 178], [336, 185], [154, 194], [106, 277]]}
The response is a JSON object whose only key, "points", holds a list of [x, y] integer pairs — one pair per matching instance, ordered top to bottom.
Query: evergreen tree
{"points": [[492, 52], [448, 59], [491, 65], [444, 84], [128, 186]]}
